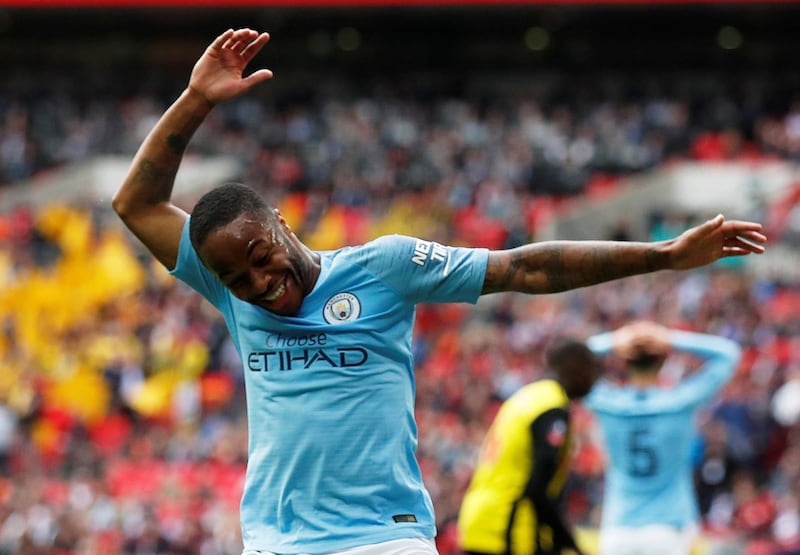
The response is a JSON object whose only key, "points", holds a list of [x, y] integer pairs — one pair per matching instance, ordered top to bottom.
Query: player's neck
{"points": [[643, 380]]}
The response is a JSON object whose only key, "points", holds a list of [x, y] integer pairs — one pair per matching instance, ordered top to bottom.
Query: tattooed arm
{"points": [[143, 201], [554, 266]]}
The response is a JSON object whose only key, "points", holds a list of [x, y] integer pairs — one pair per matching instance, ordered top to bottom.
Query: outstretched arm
{"points": [[143, 201], [553, 266]]}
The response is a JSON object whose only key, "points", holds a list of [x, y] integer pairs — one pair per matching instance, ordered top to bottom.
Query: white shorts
{"points": [[647, 540], [406, 546]]}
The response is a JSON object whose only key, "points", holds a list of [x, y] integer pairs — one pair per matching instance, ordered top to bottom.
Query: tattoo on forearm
{"points": [[177, 143], [153, 172], [150, 173], [651, 260], [562, 265], [500, 272], [555, 274]]}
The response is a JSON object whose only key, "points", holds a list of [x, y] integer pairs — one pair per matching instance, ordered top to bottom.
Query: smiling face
{"points": [[262, 262]]}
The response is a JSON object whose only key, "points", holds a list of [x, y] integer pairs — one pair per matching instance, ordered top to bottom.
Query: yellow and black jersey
{"points": [[512, 504]]}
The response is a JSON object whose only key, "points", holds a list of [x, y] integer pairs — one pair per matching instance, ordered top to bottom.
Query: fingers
{"points": [[222, 39], [239, 39], [245, 42], [255, 46], [732, 227], [738, 227], [751, 233], [754, 236], [739, 237], [716, 238], [743, 238], [747, 243], [739, 246], [734, 251], [652, 329], [646, 335]]}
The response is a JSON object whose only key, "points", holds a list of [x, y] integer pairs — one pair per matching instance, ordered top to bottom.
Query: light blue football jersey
{"points": [[330, 394], [649, 433]]}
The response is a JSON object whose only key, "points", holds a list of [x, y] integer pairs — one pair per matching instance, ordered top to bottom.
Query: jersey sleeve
{"points": [[190, 269], [425, 271], [600, 344], [721, 358]]}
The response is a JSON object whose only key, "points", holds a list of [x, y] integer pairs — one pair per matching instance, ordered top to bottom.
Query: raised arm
{"points": [[144, 199], [553, 266], [721, 357]]}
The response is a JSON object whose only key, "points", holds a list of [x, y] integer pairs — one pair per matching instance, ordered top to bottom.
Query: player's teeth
{"points": [[278, 292]]}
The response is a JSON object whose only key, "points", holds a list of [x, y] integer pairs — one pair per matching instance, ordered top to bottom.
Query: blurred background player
{"points": [[514, 502], [649, 505]]}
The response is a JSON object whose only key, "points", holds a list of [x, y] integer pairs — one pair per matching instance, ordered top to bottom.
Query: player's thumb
{"points": [[257, 77], [715, 222]]}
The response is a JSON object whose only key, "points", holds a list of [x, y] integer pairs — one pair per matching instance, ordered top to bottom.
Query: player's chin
{"points": [[287, 305], [284, 310]]}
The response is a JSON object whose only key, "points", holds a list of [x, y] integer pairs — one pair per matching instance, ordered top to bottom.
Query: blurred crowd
{"points": [[547, 134], [122, 424]]}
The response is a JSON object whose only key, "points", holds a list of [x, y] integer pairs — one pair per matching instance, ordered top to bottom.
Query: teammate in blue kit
{"points": [[325, 337], [649, 504]]}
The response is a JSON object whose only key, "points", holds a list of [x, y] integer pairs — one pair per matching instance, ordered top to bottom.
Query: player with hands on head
{"points": [[324, 337], [648, 428]]}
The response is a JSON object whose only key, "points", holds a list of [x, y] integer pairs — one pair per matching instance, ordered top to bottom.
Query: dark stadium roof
{"points": [[575, 37]]}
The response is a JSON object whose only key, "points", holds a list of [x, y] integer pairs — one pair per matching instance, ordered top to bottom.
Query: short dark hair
{"points": [[222, 205], [564, 350], [644, 361]]}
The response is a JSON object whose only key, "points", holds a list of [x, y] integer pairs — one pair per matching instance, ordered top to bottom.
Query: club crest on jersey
{"points": [[342, 307], [557, 433]]}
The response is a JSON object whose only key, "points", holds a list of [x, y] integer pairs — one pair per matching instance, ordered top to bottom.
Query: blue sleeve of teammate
{"points": [[191, 271], [425, 271], [600, 344], [721, 358]]}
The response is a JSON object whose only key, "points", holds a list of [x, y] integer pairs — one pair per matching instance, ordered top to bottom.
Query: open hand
{"points": [[219, 73], [715, 239], [641, 336]]}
